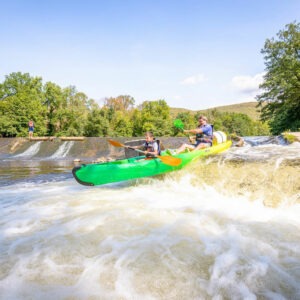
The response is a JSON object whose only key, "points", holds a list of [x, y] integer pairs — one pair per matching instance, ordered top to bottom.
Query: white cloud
{"points": [[193, 80], [247, 84], [177, 97]]}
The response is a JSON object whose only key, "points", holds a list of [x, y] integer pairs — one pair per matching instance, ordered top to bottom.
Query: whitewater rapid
{"points": [[224, 228]]}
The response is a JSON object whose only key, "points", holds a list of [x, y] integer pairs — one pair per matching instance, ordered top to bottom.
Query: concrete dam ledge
{"points": [[52, 138], [72, 147]]}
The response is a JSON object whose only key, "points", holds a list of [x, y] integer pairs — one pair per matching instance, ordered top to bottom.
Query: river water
{"points": [[227, 227]]}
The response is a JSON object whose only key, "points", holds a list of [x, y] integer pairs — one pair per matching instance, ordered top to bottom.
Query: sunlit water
{"points": [[63, 150], [31, 151], [227, 227]]}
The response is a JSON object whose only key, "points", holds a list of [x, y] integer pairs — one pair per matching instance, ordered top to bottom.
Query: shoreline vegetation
{"points": [[65, 112]]}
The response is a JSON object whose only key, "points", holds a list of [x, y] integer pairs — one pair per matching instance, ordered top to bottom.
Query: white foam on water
{"points": [[63, 150], [31, 151], [266, 151], [156, 239]]}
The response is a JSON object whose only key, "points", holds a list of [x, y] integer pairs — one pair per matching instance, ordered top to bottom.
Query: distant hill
{"points": [[247, 108]]}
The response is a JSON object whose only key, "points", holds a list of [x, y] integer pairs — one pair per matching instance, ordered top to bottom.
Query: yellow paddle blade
{"points": [[116, 143], [169, 160]]}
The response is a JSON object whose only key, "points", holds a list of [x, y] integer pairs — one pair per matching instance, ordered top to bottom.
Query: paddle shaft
{"points": [[182, 130], [117, 144], [141, 151], [169, 160]]}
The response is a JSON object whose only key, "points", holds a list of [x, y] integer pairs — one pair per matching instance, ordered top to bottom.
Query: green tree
{"points": [[21, 100], [53, 100], [280, 100], [72, 113], [119, 113], [155, 116], [136, 119], [97, 123], [123, 126], [8, 127]]}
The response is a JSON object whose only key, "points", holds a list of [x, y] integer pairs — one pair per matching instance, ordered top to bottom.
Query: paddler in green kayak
{"points": [[151, 146]]}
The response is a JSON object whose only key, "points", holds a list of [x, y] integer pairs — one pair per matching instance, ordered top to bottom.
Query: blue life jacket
{"points": [[204, 138]]}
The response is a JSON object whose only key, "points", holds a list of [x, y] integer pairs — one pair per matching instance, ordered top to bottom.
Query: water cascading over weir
{"points": [[85, 149]]}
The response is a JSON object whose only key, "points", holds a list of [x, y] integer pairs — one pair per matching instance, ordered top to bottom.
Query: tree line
{"points": [[280, 99], [58, 111]]}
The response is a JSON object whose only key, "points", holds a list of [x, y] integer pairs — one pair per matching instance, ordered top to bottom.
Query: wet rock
{"points": [[238, 141]]}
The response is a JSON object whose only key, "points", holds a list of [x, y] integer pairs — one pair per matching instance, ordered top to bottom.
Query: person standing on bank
{"points": [[30, 128], [204, 136]]}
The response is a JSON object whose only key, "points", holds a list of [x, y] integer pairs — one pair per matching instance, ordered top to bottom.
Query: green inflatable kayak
{"points": [[137, 167]]}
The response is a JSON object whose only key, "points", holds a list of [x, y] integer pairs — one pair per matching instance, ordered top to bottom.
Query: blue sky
{"points": [[194, 54]]}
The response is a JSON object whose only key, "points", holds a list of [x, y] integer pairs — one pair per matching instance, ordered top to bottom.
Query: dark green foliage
{"points": [[21, 100], [280, 100], [155, 117], [96, 124]]}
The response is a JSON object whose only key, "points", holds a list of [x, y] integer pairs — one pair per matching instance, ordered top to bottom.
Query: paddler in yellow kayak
{"points": [[204, 137]]}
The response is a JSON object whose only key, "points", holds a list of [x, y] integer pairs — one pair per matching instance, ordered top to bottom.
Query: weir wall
{"points": [[89, 147]]}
